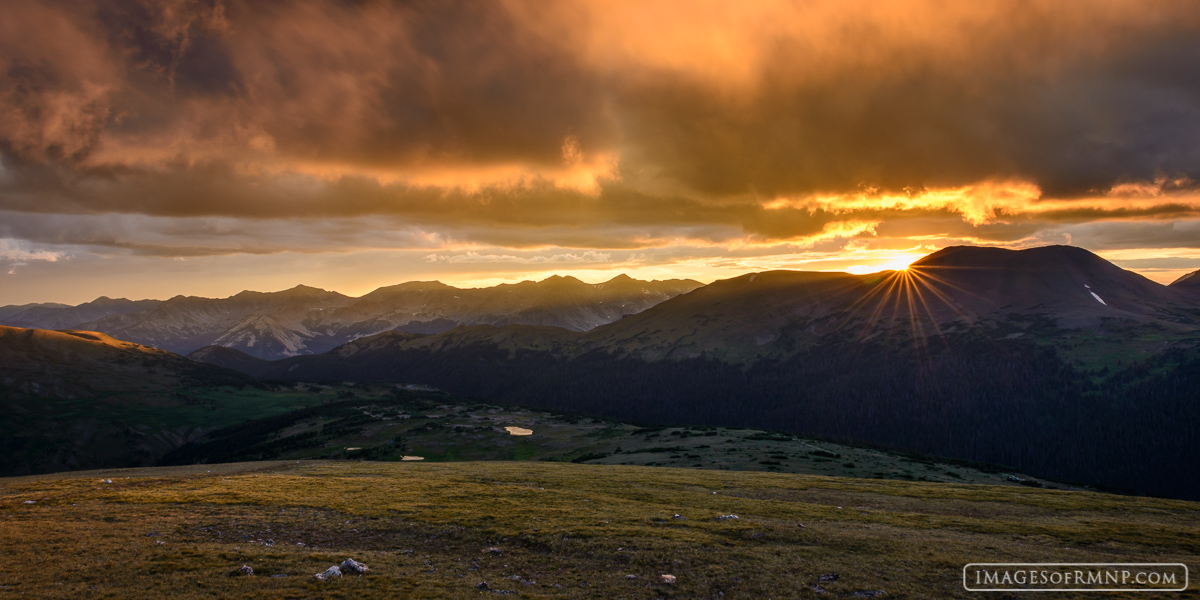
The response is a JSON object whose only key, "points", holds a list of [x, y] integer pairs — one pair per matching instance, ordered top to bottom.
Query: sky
{"points": [[203, 147]]}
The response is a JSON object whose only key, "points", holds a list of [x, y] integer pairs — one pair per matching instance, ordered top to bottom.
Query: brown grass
{"points": [[423, 528]]}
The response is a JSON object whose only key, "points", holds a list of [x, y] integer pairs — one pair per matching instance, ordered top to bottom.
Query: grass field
{"points": [[548, 530]]}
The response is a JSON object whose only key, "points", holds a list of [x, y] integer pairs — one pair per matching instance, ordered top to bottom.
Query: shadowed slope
{"points": [[1189, 283], [70, 364]]}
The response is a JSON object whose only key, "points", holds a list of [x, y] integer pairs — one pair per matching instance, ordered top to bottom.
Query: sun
{"points": [[896, 263], [900, 263]]}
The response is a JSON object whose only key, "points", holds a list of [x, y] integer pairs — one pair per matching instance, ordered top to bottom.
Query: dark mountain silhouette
{"points": [[1189, 283], [1036, 292], [306, 320], [1050, 360]]}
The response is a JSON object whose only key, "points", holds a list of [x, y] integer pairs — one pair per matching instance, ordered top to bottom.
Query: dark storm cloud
{"points": [[583, 123]]}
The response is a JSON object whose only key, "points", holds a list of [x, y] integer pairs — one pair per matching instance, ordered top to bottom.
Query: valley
{"points": [[1050, 362]]}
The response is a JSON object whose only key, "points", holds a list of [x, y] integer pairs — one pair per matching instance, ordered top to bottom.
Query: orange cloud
{"points": [[691, 131]]}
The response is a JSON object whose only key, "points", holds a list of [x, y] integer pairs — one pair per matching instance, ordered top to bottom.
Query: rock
{"points": [[105, 481], [31, 502], [677, 516], [726, 517], [491, 550], [353, 566], [247, 570], [329, 573], [631, 577], [826, 578], [667, 579], [483, 586], [816, 588], [868, 594]]}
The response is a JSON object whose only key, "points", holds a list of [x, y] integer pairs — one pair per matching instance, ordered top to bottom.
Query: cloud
{"points": [[521, 131], [11, 249], [18, 253], [538, 259]]}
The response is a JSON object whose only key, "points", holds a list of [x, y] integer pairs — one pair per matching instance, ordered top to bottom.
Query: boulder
{"points": [[353, 566], [247, 570], [329, 573], [667, 579]]}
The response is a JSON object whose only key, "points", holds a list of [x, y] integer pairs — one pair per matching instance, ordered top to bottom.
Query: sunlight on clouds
{"points": [[583, 174], [994, 202], [977, 204], [590, 256]]}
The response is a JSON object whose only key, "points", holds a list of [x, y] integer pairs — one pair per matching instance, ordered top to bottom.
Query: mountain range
{"points": [[1049, 294], [305, 320], [1050, 360]]}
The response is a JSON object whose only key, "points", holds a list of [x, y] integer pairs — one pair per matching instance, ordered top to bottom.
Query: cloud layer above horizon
{"points": [[660, 132]]}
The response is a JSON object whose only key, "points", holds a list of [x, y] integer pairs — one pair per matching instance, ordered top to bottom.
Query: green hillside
{"points": [[382, 423]]}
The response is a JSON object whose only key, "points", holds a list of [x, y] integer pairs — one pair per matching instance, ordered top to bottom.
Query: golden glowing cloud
{"points": [[701, 138]]}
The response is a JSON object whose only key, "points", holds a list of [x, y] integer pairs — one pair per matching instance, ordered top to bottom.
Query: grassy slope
{"points": [[381, 423], [129, 429], [136, 429], [423, 529]]}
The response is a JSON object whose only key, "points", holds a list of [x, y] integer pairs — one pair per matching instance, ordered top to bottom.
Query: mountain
{"points": [[1189, 283], [1047, 291], [1050, 295], [566, 302], [16, 309], [61, 316], [307, 320], [262, 324], [1049, 360], [36, 363], [82, 399]]}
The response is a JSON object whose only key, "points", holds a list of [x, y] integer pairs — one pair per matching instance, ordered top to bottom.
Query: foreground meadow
{"points": [[548, 530]]}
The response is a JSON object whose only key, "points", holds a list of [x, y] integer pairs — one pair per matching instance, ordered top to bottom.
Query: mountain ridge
{"points": [[307, 320], [1076, 370]]}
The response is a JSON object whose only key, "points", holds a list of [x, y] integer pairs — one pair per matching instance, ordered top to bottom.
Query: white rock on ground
{"points": [[353, 566], [329, 573], [667, 579]]}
